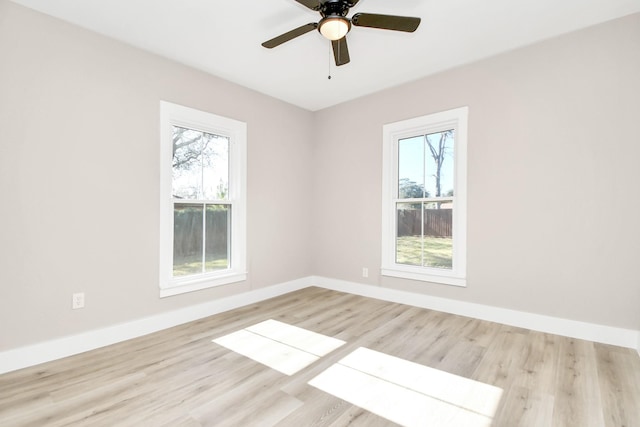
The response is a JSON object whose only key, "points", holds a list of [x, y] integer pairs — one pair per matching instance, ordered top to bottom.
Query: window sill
{"points": [[433, 277], [182, 287]]}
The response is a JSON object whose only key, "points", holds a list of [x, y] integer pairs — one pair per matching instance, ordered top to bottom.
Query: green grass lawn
{"points": [[438, 251], [193, 265]]}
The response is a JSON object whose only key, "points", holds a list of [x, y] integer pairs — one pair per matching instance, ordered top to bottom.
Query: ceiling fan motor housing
{"points": [[336, 7]]}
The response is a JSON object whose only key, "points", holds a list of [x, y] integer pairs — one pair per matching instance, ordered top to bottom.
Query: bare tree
{"points": [[188, 146], [438, 152]]}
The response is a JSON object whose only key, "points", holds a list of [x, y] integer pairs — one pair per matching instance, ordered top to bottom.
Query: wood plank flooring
{"points": [[179, 377]]}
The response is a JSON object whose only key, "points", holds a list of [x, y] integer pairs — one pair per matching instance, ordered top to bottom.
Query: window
{"points": [[424, 198], [202, 203]]}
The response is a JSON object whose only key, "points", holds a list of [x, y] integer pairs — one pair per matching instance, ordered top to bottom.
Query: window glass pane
{"points": [[187, 163], [439, 163], [200, 164], [411, 168], [215, 174], [218, 228], [409, 233], [424, 234], [187, 239], [438, 241]]}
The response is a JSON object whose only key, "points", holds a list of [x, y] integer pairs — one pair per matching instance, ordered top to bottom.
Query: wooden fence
{"points": [[437, 222], [187, 225]]}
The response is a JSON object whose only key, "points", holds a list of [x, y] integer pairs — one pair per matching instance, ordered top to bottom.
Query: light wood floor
{"points": [[178, 377]]}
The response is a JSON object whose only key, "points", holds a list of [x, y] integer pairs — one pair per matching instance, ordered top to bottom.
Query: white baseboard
{"points": [[569, 328], [31, 355]]}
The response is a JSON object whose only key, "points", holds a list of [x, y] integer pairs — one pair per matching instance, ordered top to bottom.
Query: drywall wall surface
{"points": [[553, 177], [79, 178]]}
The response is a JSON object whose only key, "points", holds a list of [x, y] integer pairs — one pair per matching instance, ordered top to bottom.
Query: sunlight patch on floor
{"points": [[280, 346], [408, 393]]}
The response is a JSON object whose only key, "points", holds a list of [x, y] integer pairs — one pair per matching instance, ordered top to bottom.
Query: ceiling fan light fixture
{"points": [[334, 27]]}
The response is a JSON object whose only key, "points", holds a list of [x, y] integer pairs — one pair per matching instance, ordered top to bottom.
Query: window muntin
{"points": [[203, 200], [424, 206]]}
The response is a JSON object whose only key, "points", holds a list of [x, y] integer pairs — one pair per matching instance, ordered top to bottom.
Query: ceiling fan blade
{"points": [[311, 4], [386, 22], [282, 38], [340, 51]]}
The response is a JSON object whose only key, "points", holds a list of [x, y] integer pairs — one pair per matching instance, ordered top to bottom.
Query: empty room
{"points": [[320, 213]]}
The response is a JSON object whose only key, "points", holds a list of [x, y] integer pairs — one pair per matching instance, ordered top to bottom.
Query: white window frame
{"points": [[177, 115], [392, 133]]}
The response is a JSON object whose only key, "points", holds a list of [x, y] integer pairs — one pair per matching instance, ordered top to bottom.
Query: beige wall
{"points": [[553, 148], [79, 159], [553, 176]]}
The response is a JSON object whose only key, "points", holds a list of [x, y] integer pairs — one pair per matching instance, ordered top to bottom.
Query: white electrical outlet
{"points": [[365, 272], [78, 300]]}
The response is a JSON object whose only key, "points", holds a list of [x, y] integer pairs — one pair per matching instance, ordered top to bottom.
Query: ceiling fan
{"points": [[335, 25]]}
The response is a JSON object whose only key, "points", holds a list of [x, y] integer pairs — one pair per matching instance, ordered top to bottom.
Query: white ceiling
{"points": [[223, 38]]}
